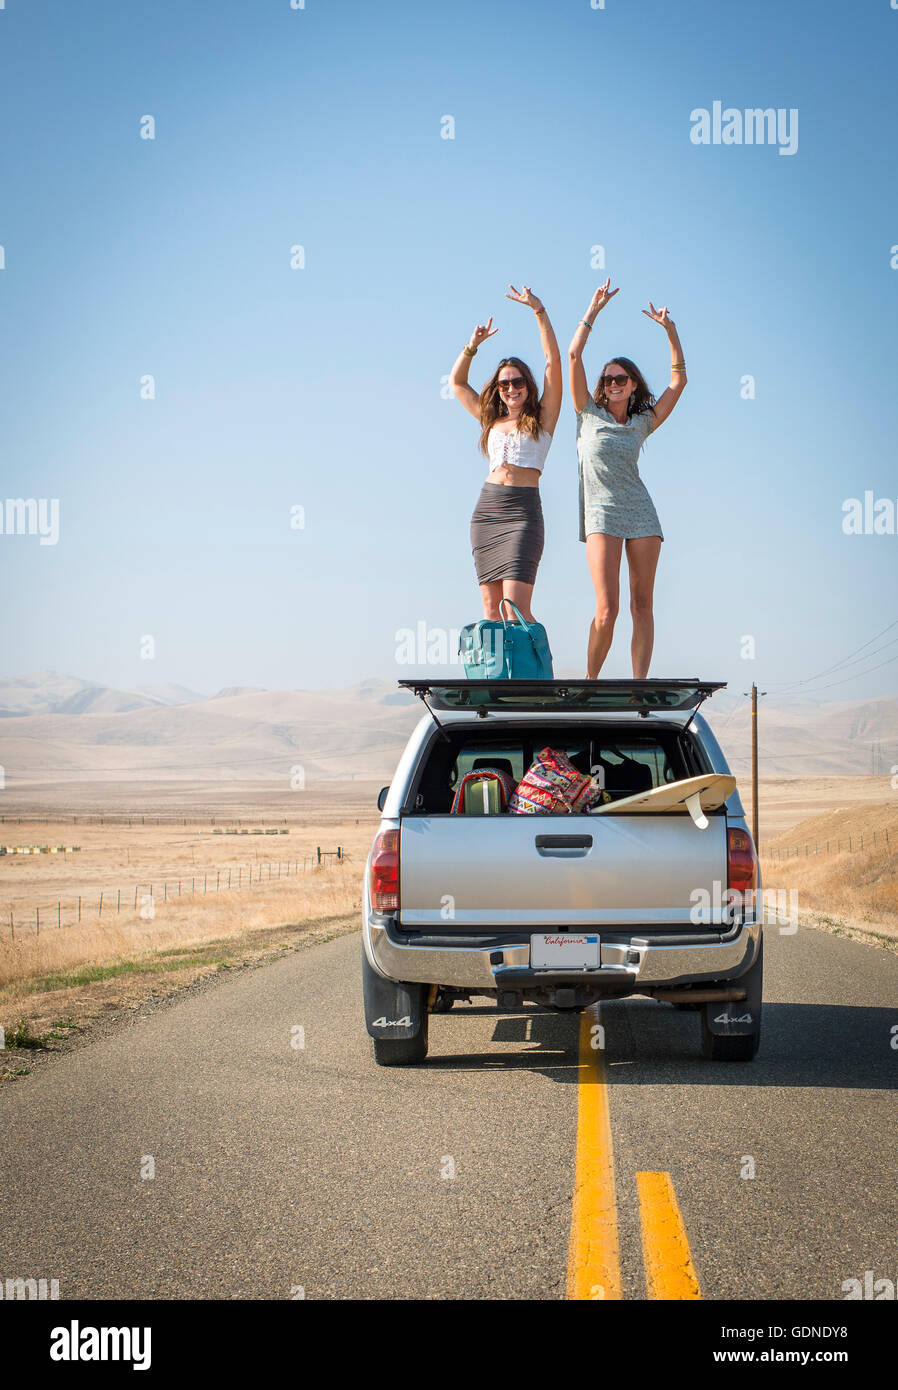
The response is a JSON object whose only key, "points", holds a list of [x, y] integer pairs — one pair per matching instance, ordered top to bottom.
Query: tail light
{"points": [[742, 862], [383, 878]]}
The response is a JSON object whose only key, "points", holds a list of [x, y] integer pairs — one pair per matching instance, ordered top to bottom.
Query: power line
{"points": [[845, 660], [842, 665], [870, 669]]}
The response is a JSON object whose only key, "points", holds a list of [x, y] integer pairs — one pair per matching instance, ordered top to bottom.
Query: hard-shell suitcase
{"points": [[484, 792]]}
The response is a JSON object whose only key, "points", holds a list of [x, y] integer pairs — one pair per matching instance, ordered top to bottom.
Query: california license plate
{"points": [[565, 951]]}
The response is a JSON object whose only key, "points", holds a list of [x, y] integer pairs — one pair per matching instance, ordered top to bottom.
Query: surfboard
{"points": [[694, 794]]}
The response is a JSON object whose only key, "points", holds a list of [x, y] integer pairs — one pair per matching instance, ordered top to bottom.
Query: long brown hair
{"points": [[640, 400], [493, 408]]}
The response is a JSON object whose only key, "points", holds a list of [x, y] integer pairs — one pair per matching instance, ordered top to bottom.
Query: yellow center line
{"points": [[593, 1257], [669, 1271]]}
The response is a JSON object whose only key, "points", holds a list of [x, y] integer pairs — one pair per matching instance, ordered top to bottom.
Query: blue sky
{"points": [[321, 387]]}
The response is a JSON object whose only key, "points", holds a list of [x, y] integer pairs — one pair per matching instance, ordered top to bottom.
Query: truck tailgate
{"points": [[507, 871]]}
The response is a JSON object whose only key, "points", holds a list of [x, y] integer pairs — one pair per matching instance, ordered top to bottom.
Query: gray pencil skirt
{"points": [[507, 533]]}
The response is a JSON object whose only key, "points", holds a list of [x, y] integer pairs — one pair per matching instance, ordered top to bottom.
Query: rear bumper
{"points": [[642, 961]]}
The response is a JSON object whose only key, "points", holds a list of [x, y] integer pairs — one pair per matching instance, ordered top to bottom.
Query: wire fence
{"points": [[123, 818], [848, 844], [144, 897]]}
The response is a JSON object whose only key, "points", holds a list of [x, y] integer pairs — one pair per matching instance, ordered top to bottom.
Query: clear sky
{"points": [[322, 388]]}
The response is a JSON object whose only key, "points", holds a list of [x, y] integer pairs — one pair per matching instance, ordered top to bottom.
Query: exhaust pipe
{"points": [[697, 996]]}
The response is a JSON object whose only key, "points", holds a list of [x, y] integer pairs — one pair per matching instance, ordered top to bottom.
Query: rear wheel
{"points": [[400, 1008], [730, 1046], [740, 1048], [402, 1052]]}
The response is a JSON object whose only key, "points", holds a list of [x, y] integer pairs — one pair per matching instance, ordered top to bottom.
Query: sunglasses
{"points": [[617, 380], [513, 383]]}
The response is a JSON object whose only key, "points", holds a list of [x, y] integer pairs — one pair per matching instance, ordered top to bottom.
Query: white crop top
{"points": [[519, 450]]}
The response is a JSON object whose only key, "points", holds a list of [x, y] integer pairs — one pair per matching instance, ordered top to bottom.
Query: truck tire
{"points": [[396, 1018], [721, 1042], [401, 1052]]}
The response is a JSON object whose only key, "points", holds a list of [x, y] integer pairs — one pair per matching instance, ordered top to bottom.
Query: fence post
{"points": [[849, 842], [318, 851], [217, 879], [204, 883], [193, 885], [165, 891], [135, 896], [118, 900], [79, 907], [100, 909], [59, 914], [37, 919], [12, 927]]}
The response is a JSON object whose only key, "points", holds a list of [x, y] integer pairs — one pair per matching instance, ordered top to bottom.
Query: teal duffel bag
{"points": [[505, 651]]}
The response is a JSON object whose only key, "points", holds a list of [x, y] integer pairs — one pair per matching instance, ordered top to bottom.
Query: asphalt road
{"points": [[281, 1168]]}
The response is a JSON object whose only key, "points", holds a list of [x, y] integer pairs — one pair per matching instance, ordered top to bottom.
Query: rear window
{"points": [[627, 761]]}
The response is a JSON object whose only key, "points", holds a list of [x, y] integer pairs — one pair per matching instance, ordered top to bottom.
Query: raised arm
{"points": [[458, 377], [579, 387], [668, 399], [550, 401]]}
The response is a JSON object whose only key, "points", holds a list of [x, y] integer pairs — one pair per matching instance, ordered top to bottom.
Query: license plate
{"points": [[564, 951]]}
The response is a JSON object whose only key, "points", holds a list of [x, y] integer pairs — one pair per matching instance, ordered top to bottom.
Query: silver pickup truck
{"points": [[560, 910]]}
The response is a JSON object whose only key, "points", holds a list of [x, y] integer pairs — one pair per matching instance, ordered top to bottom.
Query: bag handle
{"points": [[524, 624]]}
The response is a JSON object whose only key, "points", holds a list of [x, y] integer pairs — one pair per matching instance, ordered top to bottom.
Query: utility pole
{"points": [[754, 762]]}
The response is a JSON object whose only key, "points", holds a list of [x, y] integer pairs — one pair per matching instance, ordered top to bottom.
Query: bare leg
{"points": [[603, 555], [642, 557], [491, 594], [520, 595]]}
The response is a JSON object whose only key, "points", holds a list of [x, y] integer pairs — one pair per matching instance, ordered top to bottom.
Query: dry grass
{"points": [[784, 802], [858, 885], [320, 895], [60, 982]]}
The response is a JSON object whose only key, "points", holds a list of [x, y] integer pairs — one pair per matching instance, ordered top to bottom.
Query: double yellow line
{"points": [[594, 1256]]}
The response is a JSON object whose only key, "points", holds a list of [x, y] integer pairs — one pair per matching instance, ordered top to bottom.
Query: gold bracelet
{"points": [[469, 351]]}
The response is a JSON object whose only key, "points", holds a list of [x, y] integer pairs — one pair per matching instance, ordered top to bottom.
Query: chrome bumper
{"points": [[643, 961]]}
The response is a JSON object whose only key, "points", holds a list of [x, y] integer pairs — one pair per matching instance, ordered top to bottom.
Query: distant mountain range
{"points": [[58, 728]]}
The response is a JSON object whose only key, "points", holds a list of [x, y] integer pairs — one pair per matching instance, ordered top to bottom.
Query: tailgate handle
{"points": [[564, 846]]}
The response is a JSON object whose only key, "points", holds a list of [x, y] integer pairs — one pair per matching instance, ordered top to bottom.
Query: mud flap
{"points": [[392, 1009], [735, 1017]]}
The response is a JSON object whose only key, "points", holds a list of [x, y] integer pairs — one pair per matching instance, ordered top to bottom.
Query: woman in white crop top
{"points": [[516, 428]]}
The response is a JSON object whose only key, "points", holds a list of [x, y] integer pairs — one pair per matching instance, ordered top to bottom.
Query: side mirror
{"points": [[382, 797]]}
